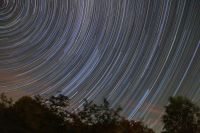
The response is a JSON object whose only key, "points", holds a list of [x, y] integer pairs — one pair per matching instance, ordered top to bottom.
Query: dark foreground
{"points": [[38, 115]]}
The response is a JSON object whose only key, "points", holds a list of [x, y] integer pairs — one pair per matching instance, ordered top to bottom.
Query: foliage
{"points": [[93, 114], [39, 115], [28, 116], [181, 116]]}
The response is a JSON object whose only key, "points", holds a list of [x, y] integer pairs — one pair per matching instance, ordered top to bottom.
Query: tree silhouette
{"points": [[98, 114], [39, 115], [28, 116], [181, 116]]}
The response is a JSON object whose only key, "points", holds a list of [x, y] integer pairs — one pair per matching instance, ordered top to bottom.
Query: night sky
{"points": [[135, 53]]}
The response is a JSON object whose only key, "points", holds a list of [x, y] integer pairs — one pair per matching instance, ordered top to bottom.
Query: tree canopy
{"points": [[38, 115], [181, 116]]}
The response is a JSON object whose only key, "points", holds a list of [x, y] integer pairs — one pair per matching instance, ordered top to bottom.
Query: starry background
{"points": [[135, 53]]}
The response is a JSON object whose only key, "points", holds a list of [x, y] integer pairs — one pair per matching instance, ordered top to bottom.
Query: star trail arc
{"points": [[135, 53]]}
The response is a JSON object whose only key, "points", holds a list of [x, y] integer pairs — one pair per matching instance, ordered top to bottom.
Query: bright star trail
{"points": [[135, 53]]}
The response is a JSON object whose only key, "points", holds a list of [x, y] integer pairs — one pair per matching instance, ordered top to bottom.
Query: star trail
{"points": [[135, 53]]}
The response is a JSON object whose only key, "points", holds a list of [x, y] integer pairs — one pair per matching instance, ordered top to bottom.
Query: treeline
{"points": [[39, 115]]}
